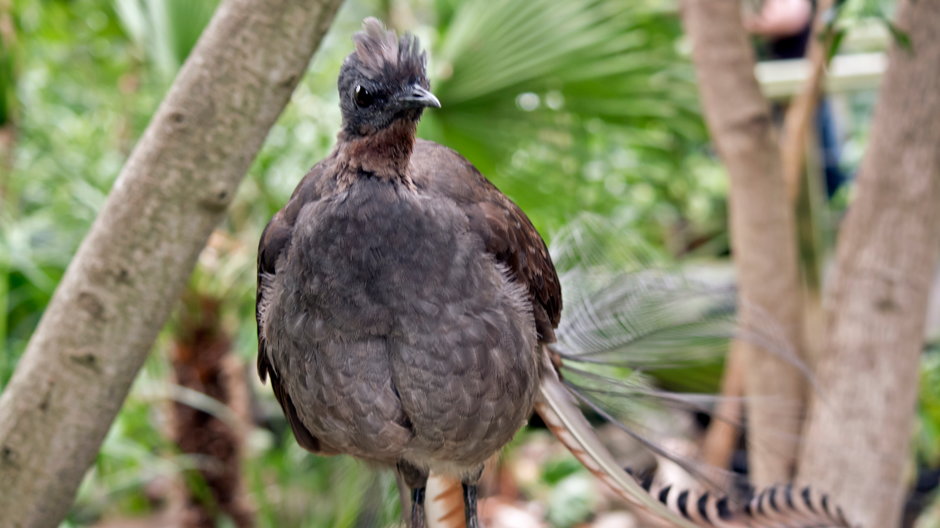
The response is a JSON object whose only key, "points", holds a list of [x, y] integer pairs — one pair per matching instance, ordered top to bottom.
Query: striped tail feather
{"points": [[629, 324], [444, 502], [773, 507]]}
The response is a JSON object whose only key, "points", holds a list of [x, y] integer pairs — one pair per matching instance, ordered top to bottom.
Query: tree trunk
{"points": [[762, 231], [131, 268], [203, 362], [859, 431]]}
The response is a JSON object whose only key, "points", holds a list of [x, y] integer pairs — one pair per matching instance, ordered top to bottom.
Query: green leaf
{"points": [[167, 30], [837, 38], [901, 38]]}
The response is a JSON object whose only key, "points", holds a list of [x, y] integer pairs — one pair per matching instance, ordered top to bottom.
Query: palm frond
{"points": [[166, 30], [507, 67]]}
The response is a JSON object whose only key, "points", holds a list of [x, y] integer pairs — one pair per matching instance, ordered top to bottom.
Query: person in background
{"points": [[783, 19], [786, 27]]}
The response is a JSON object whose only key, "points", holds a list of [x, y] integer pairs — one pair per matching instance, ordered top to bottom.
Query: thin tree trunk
{"points": [[803, 107], [762, 230], [131, 268], [203, 362], [859, 430], [722, 435], [721, 439]]}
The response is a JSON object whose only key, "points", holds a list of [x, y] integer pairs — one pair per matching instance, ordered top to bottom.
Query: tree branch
{"points": [[802, 109], [132, 266]]}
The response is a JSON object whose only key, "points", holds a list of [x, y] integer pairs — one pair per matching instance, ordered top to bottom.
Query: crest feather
{"points": [[382, 53]]}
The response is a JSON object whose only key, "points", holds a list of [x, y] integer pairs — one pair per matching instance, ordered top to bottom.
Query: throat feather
{"points": [[381, 154]]}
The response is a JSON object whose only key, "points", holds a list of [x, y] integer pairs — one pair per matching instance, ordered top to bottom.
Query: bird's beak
{"points": [[418, 97]]}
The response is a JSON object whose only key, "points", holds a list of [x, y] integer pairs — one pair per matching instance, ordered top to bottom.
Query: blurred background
{"points": [[570, 108]]}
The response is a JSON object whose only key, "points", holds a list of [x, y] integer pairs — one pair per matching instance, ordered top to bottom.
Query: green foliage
{"points": [[852, 14], [167, 30], [8, 67], [567, 106], [567, 109], [70, 145], [928, 409], [292, 488], [572, 500]]}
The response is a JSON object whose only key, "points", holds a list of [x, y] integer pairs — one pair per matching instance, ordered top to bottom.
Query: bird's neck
{"points": [[382, 154]]}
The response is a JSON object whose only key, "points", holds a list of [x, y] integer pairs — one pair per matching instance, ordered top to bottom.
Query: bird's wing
{"points": [[507, 233], [275, 239], [272, 250]]}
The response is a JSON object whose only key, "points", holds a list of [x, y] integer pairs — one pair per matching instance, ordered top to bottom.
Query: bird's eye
{"points": [[363, 97]]}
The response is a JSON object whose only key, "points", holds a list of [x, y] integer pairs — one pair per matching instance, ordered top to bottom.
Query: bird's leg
{"points": [[414, 480], [470, 497], [470, 505], [417, 508]]}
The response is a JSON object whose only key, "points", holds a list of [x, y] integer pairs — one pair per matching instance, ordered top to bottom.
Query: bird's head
{"points": [[383, 82]]}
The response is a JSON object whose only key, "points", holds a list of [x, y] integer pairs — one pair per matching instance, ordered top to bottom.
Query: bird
{"points": [[402, 298], [407, 309]]}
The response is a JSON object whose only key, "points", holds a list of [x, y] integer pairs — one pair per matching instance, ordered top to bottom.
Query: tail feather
{"points": [[633, 328], [567, 423], [705, 474], [443, 502], [773, 507]]}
